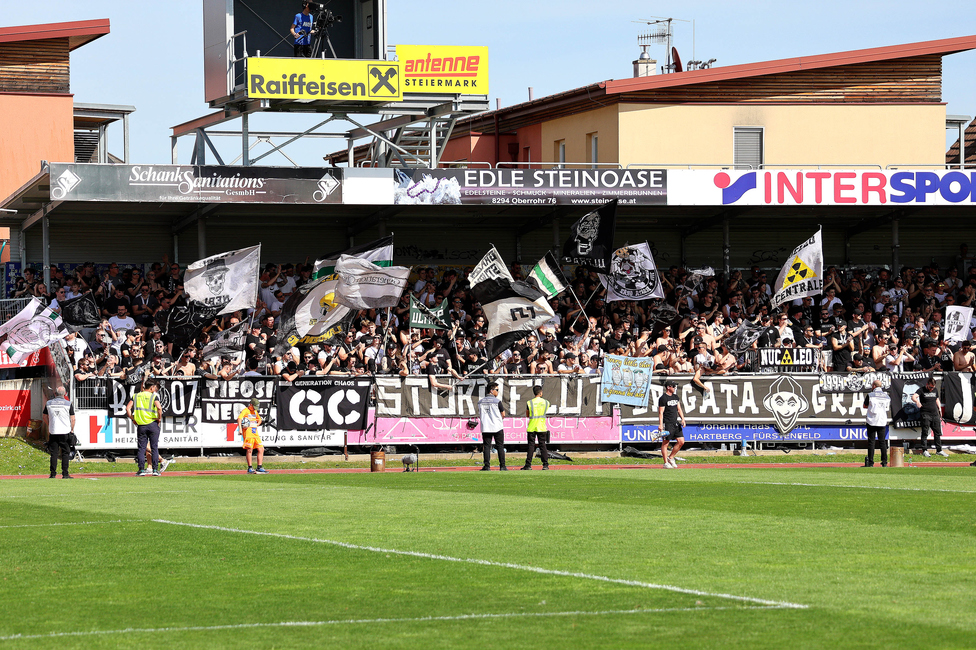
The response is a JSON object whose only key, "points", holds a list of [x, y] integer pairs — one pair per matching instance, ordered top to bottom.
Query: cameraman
{"points": [[301, 29]]}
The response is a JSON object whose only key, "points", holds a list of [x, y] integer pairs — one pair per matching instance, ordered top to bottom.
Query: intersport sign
{"points": [[821, 187]]}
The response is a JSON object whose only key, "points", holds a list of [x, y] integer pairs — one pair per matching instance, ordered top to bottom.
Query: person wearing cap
{"points": [[843, 347], [569, 365], [927, 400], [145, 410], [669, 413], [248, 422]]}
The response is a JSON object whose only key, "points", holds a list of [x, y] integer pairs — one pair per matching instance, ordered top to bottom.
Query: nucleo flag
{"points": [[802, 275], [227, 282], [34, 327], [626, 379]]}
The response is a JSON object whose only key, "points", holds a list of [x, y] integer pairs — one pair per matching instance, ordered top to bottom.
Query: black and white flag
{"points": [[591, 238], [490, 267], [633, 275], [227, 282], [511, 307], [79, 313], [957, 323], [744, 336], [228, 343], [316, 403]]}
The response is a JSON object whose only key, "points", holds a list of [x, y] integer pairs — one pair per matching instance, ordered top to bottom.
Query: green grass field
{"points": [[752, 558]]}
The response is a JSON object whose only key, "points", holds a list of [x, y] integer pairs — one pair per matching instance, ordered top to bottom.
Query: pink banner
{"points": [[950, 430], [428, 431]]}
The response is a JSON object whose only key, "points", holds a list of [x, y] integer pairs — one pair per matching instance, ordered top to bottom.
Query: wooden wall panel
{"points": [[35, 66]]}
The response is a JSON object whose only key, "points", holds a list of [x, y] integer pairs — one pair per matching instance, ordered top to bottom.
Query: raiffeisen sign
{"points": [[821, 187]]}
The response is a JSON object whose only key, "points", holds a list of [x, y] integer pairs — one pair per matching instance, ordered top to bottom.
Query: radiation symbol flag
{"points": [[798, 271]]}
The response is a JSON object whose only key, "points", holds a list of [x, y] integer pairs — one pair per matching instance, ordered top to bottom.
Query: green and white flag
{"points": [[379, 252], [548, 277], [424, 317], [34, 327]]}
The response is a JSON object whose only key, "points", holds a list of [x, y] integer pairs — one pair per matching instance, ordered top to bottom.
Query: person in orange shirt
{"points": [[248, 421]]}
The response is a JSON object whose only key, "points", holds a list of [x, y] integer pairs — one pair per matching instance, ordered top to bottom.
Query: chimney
{"points": [[644, 66], [531, 93]]}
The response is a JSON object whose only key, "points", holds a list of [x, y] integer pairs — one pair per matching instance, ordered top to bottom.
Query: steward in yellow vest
{"points": [[145, 410], [535, 410]]}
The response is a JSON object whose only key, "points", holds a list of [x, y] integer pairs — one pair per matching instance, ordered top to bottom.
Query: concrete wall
{"points": [[35, 128]]}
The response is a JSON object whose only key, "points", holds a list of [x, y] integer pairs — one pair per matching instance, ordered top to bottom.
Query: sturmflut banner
{"points": [[576, 395]]}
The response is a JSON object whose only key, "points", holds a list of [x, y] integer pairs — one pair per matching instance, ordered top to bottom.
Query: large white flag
{"points": [[491, 266], [633, 275], [802, 275], [227, 282], [363, 285], [319, 311], [957, 323], [32, 328]]}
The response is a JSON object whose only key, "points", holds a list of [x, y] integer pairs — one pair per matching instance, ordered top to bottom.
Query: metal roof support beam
{"points": [[297, 137], [386, 140], [210, 145], [37, 216], [194, 216], [378, 218], [46, 248]]}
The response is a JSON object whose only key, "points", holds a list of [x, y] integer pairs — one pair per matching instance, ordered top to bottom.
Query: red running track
{"points": [[475, 468]]}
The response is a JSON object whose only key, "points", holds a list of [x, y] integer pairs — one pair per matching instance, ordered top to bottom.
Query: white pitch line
{"points": [[857, 487], [74, 523], [506, 565], [370, 621]]}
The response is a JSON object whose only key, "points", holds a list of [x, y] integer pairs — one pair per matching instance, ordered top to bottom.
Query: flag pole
{"points": [[582, 307]]}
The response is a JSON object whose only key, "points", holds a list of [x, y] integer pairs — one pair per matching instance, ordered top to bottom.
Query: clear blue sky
{"points": [[153, 59]]}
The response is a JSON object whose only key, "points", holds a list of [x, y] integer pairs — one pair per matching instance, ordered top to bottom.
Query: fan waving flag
{"points": [[591, 238], [379, 252], [491, 266], [633, 275], [802, 275], [548, 277], [227, 282], [364, 285], [511, 308], [79, 313], [423, 317], [34, 327], [228, 343]]}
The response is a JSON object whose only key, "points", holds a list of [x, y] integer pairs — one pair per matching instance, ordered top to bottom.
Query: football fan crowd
{"points": [[868, 319]]}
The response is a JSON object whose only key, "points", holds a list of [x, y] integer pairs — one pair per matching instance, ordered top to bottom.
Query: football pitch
{"points": [[751, 558]]}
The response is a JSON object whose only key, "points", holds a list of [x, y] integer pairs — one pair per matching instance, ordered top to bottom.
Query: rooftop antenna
{"points": [[662, 32]]}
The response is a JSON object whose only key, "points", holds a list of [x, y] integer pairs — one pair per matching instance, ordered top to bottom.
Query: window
{"points": [[747, 147], [594, 148], [560, 152]]}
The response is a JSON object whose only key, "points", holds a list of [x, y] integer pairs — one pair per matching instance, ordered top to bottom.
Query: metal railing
{"points": [[10, 306], [91, 393]]}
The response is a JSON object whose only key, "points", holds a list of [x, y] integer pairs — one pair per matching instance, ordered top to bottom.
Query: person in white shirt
{"points": [[122, 322], [877, 404], [490, 413]]}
